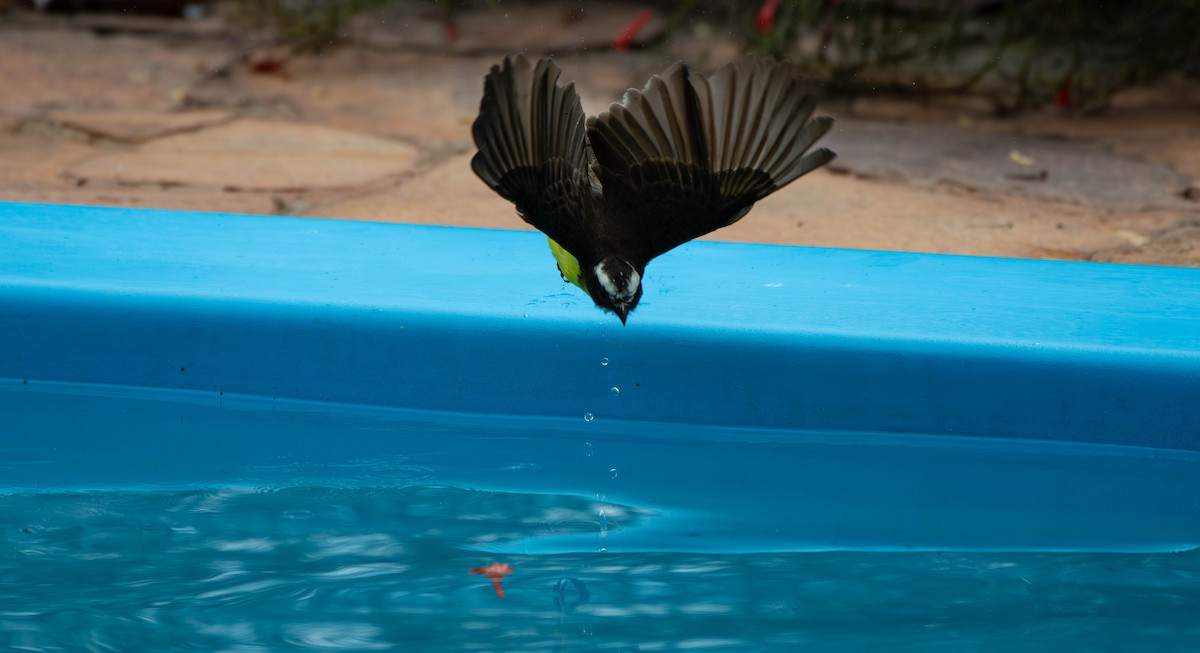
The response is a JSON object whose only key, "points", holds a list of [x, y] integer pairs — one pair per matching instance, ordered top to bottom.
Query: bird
{"points": [[683, 156]]}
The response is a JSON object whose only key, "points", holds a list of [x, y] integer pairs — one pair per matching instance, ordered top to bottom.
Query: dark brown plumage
{"points": [[684, 156]]}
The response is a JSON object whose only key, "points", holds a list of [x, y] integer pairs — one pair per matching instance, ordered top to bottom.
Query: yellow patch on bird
{"points": [[568, 265]]}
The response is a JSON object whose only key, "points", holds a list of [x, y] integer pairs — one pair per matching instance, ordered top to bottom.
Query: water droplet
{"points": [[604, 362], [616, 392], [587, 417], [589, 449], [612, 473], [603, 524], [603, 550]]}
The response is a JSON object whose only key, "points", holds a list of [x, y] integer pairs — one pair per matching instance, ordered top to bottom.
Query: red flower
{"points": [[766, 16], [625, 38], [1063, 97]]}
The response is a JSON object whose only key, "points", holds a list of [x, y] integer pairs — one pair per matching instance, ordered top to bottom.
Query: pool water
{"points": [[158, 521], [377, 569]]}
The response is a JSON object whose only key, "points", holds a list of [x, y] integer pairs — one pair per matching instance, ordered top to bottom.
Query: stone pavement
{"points": [[170, 114]]}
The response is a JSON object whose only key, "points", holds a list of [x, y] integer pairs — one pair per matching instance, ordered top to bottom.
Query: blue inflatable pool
{"points": [[762, 399]]}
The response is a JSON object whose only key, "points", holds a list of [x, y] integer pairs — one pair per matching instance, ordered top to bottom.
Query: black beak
{"points": [[622, 312]]}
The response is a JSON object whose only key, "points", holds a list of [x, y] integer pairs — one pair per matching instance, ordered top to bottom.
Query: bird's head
{"points": [[615, 285]]}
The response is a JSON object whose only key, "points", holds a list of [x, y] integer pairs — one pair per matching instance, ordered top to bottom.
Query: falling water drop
{"points": [[604, 362], [616, 392], [587, 417], [612, 473], [603, 528]]}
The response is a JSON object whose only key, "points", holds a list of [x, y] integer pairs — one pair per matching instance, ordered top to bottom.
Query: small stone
{"points": [[1132, 237]]}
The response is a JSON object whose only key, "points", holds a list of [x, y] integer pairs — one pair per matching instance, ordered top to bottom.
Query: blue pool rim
{"points": [[478, 320]]}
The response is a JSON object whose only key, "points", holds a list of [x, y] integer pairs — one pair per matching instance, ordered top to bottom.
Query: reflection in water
{"points": [[382, 569], [494, 572], [569, 593]]}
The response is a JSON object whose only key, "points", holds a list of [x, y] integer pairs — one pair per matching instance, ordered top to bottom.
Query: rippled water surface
{"points": [[134, 521], [311, 568]]}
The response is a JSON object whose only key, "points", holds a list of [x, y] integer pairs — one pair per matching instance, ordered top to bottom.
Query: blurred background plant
{"points": [[305, 25], [314, 25], [1017, 54], [1012, 55]]}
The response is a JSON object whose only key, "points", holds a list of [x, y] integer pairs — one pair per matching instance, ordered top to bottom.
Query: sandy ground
{"points": [[127, 111]]}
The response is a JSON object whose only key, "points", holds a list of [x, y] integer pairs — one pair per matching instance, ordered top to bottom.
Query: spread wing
{"points": [[533, 148], [689, 154]]}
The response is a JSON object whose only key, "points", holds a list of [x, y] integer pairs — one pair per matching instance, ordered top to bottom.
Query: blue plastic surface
{"points": [[478, 321], [770, 398], [666, 487]]}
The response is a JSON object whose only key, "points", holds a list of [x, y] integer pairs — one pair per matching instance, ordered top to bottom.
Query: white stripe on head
{"points": [[635, 280], [610, 285], [610, 288]]}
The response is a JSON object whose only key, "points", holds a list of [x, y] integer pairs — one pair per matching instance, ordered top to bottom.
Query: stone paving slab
{"points": [[51, 69], [404, 95], [1155, 124], [132, 126], [1169, 135], [255, 155], [33, 161], [1020, 164], [449, 194], [148, 197]]}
